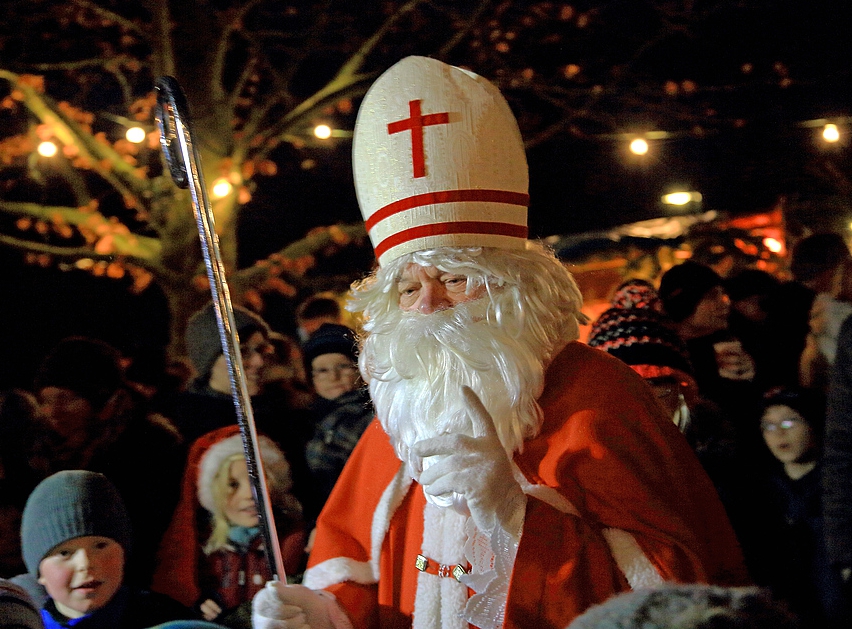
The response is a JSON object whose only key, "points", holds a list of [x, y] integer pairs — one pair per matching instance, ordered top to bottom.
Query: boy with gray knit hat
{"points": [[75, 538]]}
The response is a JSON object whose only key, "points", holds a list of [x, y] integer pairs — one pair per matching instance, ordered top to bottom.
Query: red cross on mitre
{"points": [[415, 122]]}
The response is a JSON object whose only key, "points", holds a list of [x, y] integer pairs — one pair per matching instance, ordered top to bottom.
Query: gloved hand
{"points": [[479, 469], [282, 606]]}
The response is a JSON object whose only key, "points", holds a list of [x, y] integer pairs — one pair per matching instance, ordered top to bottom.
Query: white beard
{"points": [[416, 365]]}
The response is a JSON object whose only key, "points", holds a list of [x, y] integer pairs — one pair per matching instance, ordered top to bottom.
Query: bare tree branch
{"points": [[110, 15]]}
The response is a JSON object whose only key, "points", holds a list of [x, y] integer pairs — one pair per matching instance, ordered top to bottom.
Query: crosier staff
{"points": [[185, 166]]}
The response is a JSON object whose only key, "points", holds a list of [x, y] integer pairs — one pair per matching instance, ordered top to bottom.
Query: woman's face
{"points": [[333, 375], [787, 435]]}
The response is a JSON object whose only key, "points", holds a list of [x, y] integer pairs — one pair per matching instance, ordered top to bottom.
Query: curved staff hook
{"points": [[184, 163]]}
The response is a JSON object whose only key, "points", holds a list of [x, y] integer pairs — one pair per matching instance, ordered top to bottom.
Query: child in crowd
{"points": [[342, 406], [75, 538], [212, 556], [797, 567]]}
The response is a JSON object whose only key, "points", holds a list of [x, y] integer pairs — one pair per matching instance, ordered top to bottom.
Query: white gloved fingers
{"points": [[483, 423], [443, 445], [453, 465], [282, 606], [271, 609]]}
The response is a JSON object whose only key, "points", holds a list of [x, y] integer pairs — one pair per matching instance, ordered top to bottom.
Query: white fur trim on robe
{"points": [[626, 552], [342, 569]]}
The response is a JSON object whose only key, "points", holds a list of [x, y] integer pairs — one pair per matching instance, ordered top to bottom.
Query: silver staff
{"points": [[185, 165]]}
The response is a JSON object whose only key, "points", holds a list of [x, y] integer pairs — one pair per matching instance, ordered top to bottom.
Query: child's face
{"points": [[334, 375], [787, 434], [240, 509], [82, 574]]}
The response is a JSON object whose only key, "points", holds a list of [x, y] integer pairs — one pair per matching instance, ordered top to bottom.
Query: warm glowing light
{"points": [[322, 131], [830, 133], [136, 135], [639, 146], [47, 149], [222, 188], [681, 198], [773, 244]]}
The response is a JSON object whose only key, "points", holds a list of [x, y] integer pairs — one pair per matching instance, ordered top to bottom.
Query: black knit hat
{"points": [[683, 287], [635, 331], [330, 338], [203, 344], [88, 367], [809, 403], [71, 504]]}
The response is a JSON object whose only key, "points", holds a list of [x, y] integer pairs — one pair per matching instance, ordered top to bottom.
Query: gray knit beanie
{"points": [[203, 344], [70, 504], [16, 608]]}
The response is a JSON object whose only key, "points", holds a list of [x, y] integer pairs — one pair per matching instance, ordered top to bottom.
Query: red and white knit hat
{"points": [[438, 161]]}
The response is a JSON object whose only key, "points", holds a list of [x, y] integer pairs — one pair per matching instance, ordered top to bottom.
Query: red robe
{"points": [[634, 501]]}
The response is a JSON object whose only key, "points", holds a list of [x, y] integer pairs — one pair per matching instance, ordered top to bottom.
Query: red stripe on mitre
{"points": [[447, 196], [457, 227]]}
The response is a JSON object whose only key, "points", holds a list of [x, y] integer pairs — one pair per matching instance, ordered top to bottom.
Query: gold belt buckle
{"points": [[421, 563], [459, 572]]}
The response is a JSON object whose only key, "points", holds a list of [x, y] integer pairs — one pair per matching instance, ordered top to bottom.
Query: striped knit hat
{"points": [[438, 161], [636, 331]]}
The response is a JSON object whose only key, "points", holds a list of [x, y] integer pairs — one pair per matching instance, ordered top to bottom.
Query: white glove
{"points": [[477, 468], [282, 606]]}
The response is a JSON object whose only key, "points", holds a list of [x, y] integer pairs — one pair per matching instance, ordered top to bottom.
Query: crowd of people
{"points": [[461, 459], [175, 462]]}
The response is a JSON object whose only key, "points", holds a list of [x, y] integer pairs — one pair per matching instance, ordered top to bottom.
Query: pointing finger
{"points": [[483, 423]]}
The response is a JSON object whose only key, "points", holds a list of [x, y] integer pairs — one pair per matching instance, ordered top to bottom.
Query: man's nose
{"points": [[433, 297]]}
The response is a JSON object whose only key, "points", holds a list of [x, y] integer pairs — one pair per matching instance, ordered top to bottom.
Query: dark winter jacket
{"points": [[341, 424], [837, 457], [233, 576], [128, 609]]}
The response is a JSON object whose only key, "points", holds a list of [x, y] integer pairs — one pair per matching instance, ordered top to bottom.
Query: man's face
{"points": [[427, 289], [711, 314], [333, 375], [68, 413], [82, 574]]}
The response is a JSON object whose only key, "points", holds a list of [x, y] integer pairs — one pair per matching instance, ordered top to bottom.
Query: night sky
{"points": [[581, 180]]}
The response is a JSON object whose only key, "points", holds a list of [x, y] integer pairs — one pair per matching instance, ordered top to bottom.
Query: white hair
{"points": [[499, 345]]}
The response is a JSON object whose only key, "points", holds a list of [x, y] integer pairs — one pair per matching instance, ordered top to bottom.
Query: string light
{"points": [[322, 131], [830, 133], [136, 135], [638, 146], [47, 149], [222, 188], [681, 198], [773, 244]]}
